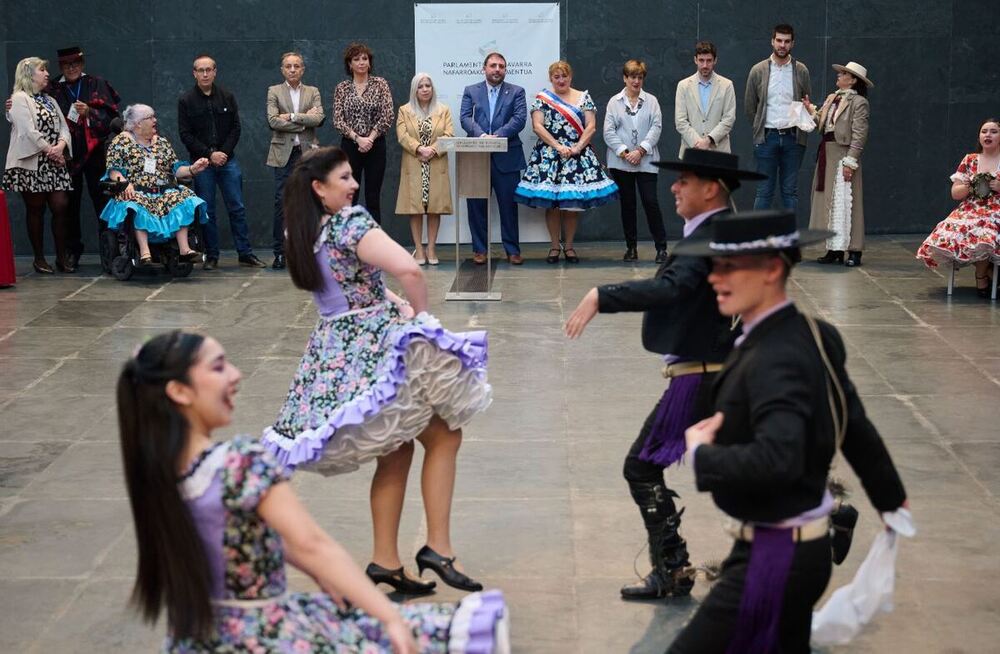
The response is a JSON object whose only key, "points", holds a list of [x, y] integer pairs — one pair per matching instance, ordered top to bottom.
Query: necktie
{"points": [[494, 93]]}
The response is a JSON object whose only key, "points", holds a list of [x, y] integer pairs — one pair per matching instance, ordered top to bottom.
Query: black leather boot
{"points": [[831, 256], [668, 553]]}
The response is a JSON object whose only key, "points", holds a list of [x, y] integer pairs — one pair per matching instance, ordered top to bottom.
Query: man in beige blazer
{"points": [[705, 104], [294, 111]]}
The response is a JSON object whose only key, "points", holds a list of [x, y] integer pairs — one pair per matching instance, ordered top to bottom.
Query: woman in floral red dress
{"points": [[970, 233]]}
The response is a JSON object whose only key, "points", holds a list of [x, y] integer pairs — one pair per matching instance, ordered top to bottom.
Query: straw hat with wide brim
{"points": [[856, 69]]}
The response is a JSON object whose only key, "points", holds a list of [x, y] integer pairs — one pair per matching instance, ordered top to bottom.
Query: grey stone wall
{"points": [[934, 64]]}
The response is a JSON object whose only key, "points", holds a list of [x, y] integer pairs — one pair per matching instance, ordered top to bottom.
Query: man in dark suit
{"points": [[495, 108], [682, 323], [784, 405]]}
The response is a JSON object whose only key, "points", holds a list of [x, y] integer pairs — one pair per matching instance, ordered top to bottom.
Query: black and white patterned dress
{"points": [[49, 177]]}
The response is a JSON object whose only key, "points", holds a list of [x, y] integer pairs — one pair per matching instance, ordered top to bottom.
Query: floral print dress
{"points": [[48, 177], [575, 183], [161, 207], [970, 232], [371, 380], [254, 612]]}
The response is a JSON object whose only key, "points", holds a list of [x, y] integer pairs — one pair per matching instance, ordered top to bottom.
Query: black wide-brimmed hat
{"points": [[69, 55], [713, 165], [753, 232]]}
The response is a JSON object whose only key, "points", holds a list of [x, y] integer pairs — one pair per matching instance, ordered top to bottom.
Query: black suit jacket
{"points": [[681, 314], [772, 455]]}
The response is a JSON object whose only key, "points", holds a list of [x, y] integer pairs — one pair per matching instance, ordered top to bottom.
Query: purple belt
{"points": [[665, 444]]}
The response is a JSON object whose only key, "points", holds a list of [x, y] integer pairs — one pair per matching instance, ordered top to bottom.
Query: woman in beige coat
{"points": [[36, 161], [424, 185], [837, 201]]}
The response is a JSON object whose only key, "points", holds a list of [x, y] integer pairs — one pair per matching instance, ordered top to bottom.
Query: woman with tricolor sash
{"points": [[564, 175]]}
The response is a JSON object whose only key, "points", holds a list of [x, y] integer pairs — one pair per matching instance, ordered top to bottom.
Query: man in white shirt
{"points": [[773, 84], [705, 104], [294, 111]]}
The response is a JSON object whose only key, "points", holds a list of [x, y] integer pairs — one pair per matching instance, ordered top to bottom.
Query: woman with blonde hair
{"points": [[36, 161], [564, 175], [424, 185]]}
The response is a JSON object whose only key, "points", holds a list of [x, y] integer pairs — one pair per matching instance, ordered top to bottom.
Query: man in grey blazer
{"points": [[773, 84], [705, 104], [294, 111]]}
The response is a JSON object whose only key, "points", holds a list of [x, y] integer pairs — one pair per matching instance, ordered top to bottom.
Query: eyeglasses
{"points": [[204, 71], [635, 137]]}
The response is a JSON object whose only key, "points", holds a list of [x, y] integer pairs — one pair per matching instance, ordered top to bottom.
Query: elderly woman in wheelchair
{"points": [[142, 176]]}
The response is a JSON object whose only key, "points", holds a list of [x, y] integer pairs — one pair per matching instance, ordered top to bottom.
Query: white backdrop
{"points": [[451, 42]]}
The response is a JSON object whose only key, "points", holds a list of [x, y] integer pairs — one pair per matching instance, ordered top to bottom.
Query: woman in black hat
{"points": [[783, 406]]}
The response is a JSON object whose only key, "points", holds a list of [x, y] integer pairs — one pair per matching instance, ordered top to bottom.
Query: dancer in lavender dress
{"points": [[378, 373], [213, 522]]}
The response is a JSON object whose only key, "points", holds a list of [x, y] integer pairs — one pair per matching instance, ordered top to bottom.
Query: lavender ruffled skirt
{"points": [[423, 370]]}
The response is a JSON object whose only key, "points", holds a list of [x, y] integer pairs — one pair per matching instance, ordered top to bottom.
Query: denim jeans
{"points": [[778, 157], [229, 179], [278, 222]]}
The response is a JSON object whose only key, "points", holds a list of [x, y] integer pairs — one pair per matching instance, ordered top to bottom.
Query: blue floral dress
{"points": [[551, 182], [161, 207], [371, 380], [253, 610]]}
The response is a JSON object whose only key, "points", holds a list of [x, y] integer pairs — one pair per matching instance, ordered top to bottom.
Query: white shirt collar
{"points": [[623, 96], [695, 223]]}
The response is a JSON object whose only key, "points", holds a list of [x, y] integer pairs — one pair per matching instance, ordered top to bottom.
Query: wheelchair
{"points": [[119, 248]]}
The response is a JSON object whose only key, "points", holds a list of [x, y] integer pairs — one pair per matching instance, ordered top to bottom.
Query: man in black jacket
{"points": [[209, 124], [682, 323], [784, 405]]}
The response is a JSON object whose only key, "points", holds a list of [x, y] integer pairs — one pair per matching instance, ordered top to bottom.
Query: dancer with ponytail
{"points": [[378, 373], [215, 521]]}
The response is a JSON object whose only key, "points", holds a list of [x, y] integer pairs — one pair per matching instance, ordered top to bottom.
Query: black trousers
{"points": [[370, 167], [90, 173], [627, 183], [637, 471], [712, 627]]}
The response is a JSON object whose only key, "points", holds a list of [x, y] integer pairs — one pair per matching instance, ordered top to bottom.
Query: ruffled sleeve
{"points": [[587, 103], [537, 104], [965, 169], [350, 227], [250, 471]]}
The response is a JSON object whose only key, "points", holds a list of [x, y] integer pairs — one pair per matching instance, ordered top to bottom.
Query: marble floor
{"points": [[541, 509]]}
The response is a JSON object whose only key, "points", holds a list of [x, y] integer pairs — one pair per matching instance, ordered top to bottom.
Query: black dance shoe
{"points": [[631, 254], [661, 256], [832, 256], [853, 259], [278, 263], [445, 568], [399, 581], [660, 584]]}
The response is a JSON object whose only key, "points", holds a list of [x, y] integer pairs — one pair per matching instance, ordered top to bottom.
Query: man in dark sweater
{"points": [[209, 124], [682, 323]]}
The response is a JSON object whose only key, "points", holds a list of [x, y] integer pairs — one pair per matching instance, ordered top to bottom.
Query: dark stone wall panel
{"points": [[933, 65]]}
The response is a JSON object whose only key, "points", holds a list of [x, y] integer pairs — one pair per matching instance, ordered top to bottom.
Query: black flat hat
{"points": [[69, 55], [712, 164], [753, 232]]}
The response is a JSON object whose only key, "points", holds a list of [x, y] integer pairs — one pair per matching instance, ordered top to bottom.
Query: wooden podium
{"points": [[472, 181]]}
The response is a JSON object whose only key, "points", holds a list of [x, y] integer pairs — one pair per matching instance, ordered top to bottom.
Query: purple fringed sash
{"points": [[665, 444], [771, 556]]}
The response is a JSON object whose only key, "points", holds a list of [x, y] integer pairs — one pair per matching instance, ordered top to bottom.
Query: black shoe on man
{"points": [[661, 256], [251, 260], [211, 263], [278, 263], [670, 576]]}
